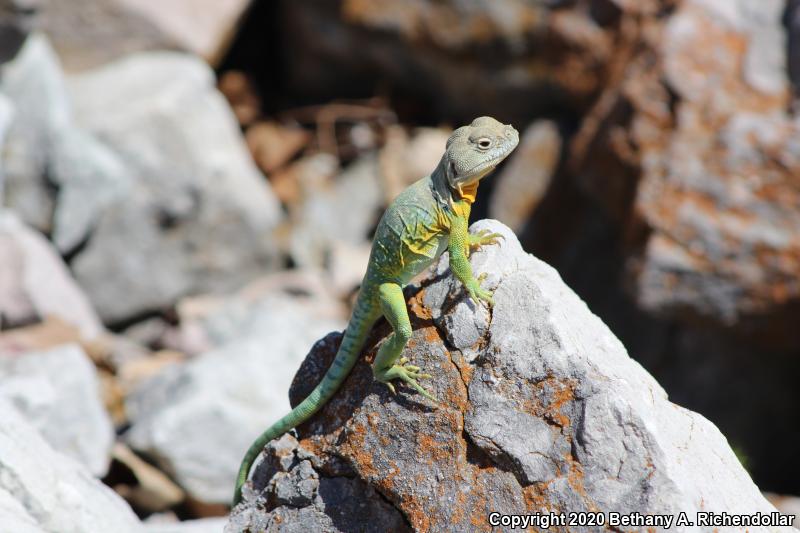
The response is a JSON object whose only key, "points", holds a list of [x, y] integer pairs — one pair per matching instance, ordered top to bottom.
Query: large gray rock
{"points": [[198, 216], [35, 283], [58, 391], [544, 410], [198, 419], [44, 491]]}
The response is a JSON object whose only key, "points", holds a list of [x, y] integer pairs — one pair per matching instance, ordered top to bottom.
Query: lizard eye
{"points": [[484, 143]]}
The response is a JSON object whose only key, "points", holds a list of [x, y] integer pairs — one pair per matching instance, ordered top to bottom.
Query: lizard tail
{"points": [[360, 324]]}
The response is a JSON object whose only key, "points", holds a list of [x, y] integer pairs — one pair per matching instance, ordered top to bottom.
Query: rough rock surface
{"points": [[198, 216], [35, 283], [57, 390], [541, 409], [198, 419], [42, 490]]}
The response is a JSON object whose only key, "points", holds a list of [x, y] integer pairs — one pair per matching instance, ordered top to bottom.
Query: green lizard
{"points": [[432, 215]]}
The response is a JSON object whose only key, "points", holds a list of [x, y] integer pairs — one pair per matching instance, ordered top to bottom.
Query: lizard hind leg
{"points": [[388, 365]]}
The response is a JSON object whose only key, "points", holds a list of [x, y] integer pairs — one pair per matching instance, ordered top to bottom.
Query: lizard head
{"points": [[474, 151]]}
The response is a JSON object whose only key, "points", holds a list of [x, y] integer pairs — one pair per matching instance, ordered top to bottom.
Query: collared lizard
{"points": [[426, 219]]}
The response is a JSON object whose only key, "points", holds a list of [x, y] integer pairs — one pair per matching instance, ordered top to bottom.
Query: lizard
{"points": [[429, 217]]}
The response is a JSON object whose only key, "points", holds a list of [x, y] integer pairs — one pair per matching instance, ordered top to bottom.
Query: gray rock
{"points": [[35, 86], [46, 152], [90, 178], [353, 199], [198, 216], [35, 283], [58, 392], [551, 414], [198, 419], [45, 491], [328, 504]]}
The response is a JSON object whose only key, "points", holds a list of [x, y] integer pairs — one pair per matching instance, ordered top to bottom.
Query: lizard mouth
{"points": [[479, 171]]}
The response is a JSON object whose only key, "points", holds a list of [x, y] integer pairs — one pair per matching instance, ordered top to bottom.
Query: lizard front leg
{"points": [[457, 246], [385, 367]]}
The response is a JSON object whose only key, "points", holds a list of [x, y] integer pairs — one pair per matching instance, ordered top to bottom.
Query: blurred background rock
{"points": [[189, 189]]}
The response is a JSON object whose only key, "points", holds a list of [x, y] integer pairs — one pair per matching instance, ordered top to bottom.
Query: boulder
{"points": [[198, 216], [35, 283], [58, 392], [540, 409], [197, 419], [42, 490]]}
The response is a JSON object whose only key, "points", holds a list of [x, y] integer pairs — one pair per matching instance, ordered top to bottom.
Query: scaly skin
{"points": [[430, 216]]}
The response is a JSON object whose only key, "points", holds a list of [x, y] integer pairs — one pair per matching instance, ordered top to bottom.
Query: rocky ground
{"points": [[187, 194]]}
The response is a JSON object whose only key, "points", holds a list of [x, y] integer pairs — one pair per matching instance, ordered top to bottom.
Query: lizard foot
{"points": [[483, 238], [407, 373]]}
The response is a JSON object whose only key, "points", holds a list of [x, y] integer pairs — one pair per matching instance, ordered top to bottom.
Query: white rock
{"points": [[34, 85], [45, 147], [198, 216], [35, 283], [58, 392], [198, 419], [637, 451], [42, 490]]}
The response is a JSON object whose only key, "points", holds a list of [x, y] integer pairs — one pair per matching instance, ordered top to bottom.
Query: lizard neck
{"points": [[450, 196]]}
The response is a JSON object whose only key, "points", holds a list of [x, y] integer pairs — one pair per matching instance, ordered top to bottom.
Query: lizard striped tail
{"points": [[361, 322]]}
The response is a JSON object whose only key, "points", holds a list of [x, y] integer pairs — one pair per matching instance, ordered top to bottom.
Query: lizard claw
{"points": [[484, 237], [477, 293], [408, 374]]}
